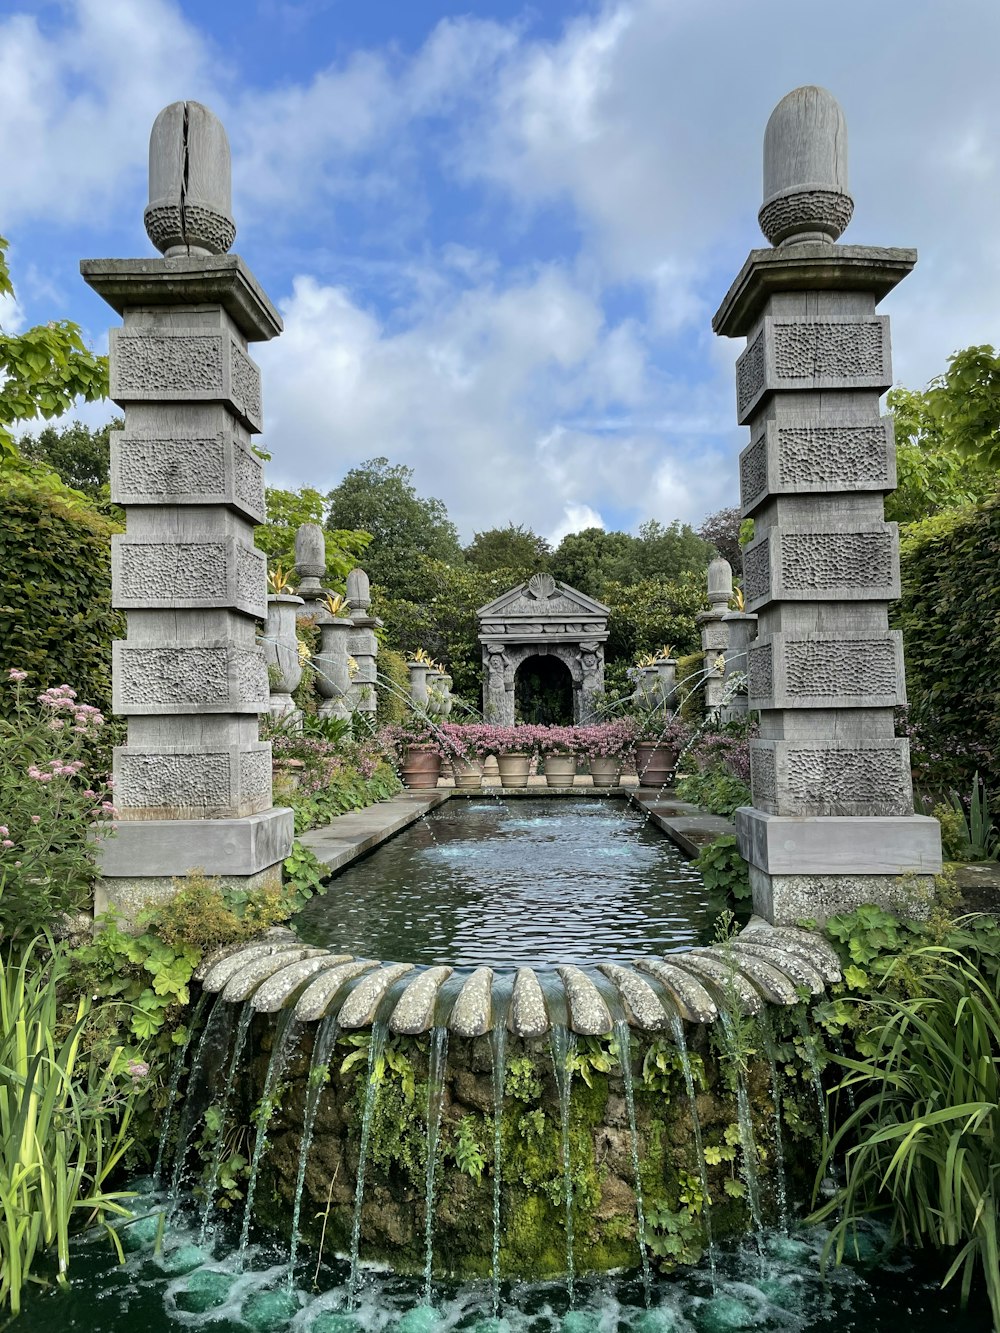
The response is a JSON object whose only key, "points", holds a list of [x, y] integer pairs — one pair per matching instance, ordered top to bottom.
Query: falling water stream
{"points": [[242, 1028], [380, 1029], [326, 1039], [680, 1041], [623, 1042], [563, 1045], [498, 1047], [175, 1079], [435, 1103], [748, 1144], [781, 1185]]}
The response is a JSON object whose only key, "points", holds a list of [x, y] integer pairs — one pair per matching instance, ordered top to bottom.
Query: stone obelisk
{"points": [[193, 781], [832, 823]]}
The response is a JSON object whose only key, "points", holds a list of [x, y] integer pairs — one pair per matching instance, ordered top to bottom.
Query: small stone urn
{"points": [[281, 653], [333, 676]]}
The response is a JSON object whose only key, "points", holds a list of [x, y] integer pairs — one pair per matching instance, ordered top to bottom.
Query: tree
{"points": [[42, 371], [966, 402], [81, 456], [933, 473], [379, 498], [286, 512], [722, 530], [513, 548], [667, 552], [589, 559]]}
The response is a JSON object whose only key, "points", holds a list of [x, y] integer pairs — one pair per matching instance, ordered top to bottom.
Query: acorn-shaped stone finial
{"points": [[805, 169], [190, 183], [720, 583], [359, 590]]}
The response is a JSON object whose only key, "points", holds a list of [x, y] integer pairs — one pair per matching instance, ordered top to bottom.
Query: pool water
{"points": [[520, 883], [171, 1284]]}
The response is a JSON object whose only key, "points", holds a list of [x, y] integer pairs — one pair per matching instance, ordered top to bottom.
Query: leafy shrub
{"points": [[950, 617], [56, 621], [691, 688], [391, 694], [719, 793], [49, 797], [725, 872]]}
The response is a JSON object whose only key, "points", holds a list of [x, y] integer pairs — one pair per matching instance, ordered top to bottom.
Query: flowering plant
{"points": [[663, 728], [607, 740], [48, 804]]}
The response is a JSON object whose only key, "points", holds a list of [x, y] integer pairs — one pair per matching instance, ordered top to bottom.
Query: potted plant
{"points": [[280, 643], [660, 741], [606, 745], [462, 746], [513, 748], [558, 749], [417, 754]]}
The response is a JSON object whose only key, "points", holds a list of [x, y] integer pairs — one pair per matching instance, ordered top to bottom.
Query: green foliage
{"points": [[43, 370], [966, 403], [80, 456], [932, 473], [379, 498], [286, 512], [723, 530], [514, 548], [592, 560], [652, 612], [55, 616], [950, 617], [691, 688], [392, 693], [344, 790], [716, 791], [49, 797], [975, 836], [726, 874], [304, 875], [592, 1055], [662, 1068], [522, 1080], [64, 1121], [923, 1143], [466, 1150], [674, 1236]]}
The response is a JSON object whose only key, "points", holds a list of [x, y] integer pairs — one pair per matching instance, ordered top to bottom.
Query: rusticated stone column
{"points": [[714, 633], [363, 643], [193, 782], [832, 823]]}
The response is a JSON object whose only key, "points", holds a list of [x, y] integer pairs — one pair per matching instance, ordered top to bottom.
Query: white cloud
{"points": [[575, 518]]}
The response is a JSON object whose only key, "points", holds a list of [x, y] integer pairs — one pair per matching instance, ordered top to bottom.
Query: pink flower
{"points": [[16, 676], [35, 773], [45, 777], [89, 792], [35, 819], [4, 830], [6, 843], [138, 1069]]}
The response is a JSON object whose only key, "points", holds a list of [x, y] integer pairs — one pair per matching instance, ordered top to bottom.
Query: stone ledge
{"points": [[351, 835], [839, 844], [159, 848]]}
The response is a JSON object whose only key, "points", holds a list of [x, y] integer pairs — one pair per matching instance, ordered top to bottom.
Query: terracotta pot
{"points": [[655, 763], [421, 767], [514, 769], [560, 769], [605, 770], [468, 773]]}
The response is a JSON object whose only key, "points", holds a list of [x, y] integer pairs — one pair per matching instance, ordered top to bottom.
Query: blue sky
{"points": [[497, 232]]}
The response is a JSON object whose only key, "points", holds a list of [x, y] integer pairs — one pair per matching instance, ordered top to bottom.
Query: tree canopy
{"points": [[43, 370], [81, 456], [379, 498], [286, 512], [514, 547], [593, 558]]}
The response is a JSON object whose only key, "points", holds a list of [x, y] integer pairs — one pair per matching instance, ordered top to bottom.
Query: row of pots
{"points": [[421, 768]]}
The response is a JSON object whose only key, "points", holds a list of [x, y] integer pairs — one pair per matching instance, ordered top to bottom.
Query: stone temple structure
{"points": [[548, 621], [193, 782], [832, 822]]}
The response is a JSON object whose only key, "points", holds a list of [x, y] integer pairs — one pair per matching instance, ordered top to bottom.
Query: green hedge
{"points": [[950, 618], [56, 621], [391, 694], [692, 696]]}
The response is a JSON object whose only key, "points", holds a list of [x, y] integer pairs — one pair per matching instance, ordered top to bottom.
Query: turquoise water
{"points": [[526, 882], [174, 1285]]}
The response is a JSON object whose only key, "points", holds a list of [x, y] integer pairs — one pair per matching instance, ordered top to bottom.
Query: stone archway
{"points": [[542, 618], [543, 691]]}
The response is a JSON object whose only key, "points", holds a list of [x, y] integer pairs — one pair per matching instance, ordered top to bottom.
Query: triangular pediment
{"points": [[541, 596]]}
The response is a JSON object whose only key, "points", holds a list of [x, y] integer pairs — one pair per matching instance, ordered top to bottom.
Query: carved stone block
{"points": [[812, 352], [185, 366], [796, 458], [185, 470], [849, 562], [151, 574], [846, 670], [185, 678], [827, 777], [176, 782]]}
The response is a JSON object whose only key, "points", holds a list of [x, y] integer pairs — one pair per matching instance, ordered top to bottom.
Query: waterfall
{"points": [[242, 1028], [677, 1029], [284, 1040], [325, 1040], [563, 1043], [498, 1044], [624, 1044], [809, 1046], [376, 1047], [175, 1079], [435, 1104], [748, 1143], [780, 1183]]}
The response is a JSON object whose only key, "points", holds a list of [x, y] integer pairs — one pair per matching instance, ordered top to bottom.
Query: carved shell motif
{"points": [[541, 586]]}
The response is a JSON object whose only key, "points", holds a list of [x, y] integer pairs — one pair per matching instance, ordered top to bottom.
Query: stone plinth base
{"points": [[839, 844], [162, 848], [130, 895], [788, 900]]}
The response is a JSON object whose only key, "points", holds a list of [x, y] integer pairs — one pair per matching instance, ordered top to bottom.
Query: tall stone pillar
{"points": [[714, 632], [362, 644], [193, 782], [832, 823]]}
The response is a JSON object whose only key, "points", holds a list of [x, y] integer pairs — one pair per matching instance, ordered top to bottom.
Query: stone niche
{"points": [[542, 618]]}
